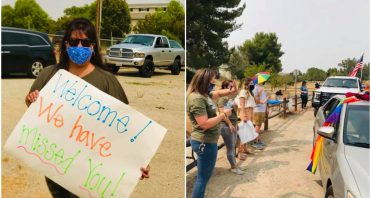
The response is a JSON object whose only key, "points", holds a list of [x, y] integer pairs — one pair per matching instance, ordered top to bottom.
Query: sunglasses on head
{"points": [[84, 42]]}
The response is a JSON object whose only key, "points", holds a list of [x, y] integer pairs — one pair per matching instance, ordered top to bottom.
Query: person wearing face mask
{"points": [[80, 56], [246, 104], [228, 127], [205, 133]]}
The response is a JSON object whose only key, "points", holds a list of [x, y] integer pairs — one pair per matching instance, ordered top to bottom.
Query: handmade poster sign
{"points": [[85, 140]]}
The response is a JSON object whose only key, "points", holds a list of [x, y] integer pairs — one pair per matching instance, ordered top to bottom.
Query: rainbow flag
{"points": [[332, 119]]}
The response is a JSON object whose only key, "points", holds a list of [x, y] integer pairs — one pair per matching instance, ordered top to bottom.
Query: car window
{"points": [[6, 38], [14, 38], [139, 39], [35, 40], [158, 42], [166, 44], [174, 44], [340, 82], [330, 106], [357, 126]]}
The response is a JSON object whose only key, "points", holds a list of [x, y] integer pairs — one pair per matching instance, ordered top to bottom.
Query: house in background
{"points": [[140, 8], [224, 71]]}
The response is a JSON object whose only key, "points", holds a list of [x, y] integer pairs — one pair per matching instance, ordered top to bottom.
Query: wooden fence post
{"points": [[296, 102], [284, 107], [266, 119]]}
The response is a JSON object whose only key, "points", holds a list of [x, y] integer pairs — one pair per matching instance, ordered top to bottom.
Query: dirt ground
{"points": [[160, 97], [277, 171]]}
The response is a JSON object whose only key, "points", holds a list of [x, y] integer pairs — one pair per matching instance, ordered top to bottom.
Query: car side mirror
{"points": [[327, 132]]}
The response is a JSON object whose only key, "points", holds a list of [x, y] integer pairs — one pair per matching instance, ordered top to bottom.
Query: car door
{"points": [[15, 52], [168, 54], [158, 55], [327, 159]]}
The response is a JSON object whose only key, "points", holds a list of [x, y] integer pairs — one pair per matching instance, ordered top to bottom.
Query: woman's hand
{"points": [[31, 97], [228, 112], [232, 129], [145, 172]]}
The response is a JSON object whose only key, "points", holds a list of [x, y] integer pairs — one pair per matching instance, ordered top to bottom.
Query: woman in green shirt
{"points": [[80, 56], [205, 133]]}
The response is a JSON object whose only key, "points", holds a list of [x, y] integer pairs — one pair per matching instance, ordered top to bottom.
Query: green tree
{"points": [[87, 11], [26, 14], [7, 16], [115, 18], [169, 23], [208, 23], [263, 49], [237, 63], [347, 65], [251, 70], [334, 72], [365, 72], [315, 74], [275, 81]]}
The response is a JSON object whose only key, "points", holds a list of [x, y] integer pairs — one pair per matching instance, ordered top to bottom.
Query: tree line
{"points": [[115, 20], [206, 46]]}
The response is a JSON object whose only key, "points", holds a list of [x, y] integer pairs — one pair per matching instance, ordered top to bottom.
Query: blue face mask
{"points": [[79, 55], [211, 87]]}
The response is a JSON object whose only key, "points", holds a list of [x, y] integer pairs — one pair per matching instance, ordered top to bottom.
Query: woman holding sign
{"points": [[80, 56], [205, 133]]}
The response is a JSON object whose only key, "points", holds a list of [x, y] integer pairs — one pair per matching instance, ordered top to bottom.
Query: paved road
{"points": [[278, 171]]}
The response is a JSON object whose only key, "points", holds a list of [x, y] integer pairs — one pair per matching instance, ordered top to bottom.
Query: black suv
{"points": [[25, 51]]}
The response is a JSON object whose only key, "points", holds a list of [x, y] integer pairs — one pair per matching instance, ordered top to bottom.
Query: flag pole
{"points": [[362, 67]]}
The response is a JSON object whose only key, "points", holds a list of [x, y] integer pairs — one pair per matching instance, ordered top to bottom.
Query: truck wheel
{"points": [[36, 67], [175, 68], [114, 69], [147, 69]]}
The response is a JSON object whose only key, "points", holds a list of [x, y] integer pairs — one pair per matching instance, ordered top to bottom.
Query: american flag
{"points": [[358, 66]]}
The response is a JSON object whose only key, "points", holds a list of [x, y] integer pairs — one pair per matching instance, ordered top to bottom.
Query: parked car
{"points": [[58, 37], [25, 51], [145, 52], [332, 86], [345, 159]]}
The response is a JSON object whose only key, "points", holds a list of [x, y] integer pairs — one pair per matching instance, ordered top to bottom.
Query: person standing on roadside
{"points": [[80, 56], [304, 95], [246, 105], [260, 108], [205, 124], [228, 127]]}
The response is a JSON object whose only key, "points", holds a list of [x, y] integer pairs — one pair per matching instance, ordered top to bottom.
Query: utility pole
{"points": [[98, 18], [296, 76]]}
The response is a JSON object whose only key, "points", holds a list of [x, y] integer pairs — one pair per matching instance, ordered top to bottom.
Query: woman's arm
{"points": [[223, 92], [243, 115], [228, 121], [206, 123]]}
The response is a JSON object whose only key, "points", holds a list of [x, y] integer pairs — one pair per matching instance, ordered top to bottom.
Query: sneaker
{"points": [[261, 143], [258, 146], [242, 168], [237, 171]]}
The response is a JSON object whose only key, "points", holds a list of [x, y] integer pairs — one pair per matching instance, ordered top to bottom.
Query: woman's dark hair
{"points": [[84, 26], [201, 81], [226, 83], [247, 83]]}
